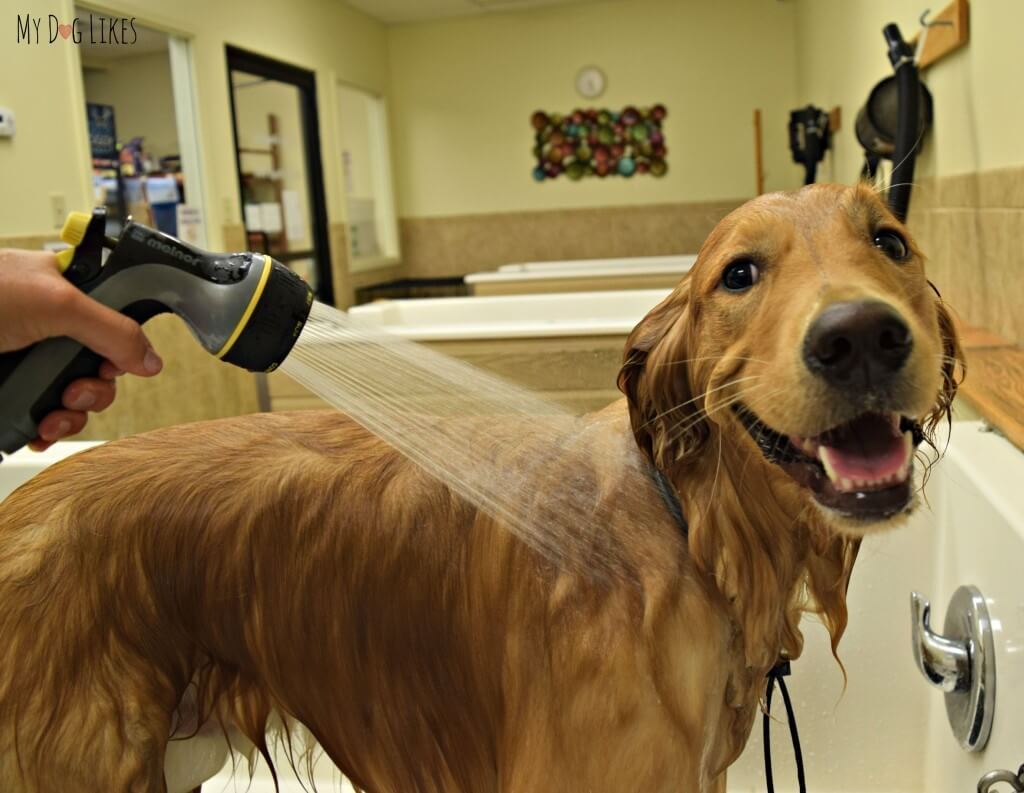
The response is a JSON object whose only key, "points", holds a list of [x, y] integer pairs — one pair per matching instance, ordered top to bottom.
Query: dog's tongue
{"points": [[869, 452]]}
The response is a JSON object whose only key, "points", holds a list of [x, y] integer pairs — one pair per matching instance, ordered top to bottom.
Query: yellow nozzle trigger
{"points": [[74, 228], [64, 259]]}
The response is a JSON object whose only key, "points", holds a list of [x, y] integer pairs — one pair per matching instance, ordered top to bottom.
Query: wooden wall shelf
{"points": [[949, 35], [994, 385]]}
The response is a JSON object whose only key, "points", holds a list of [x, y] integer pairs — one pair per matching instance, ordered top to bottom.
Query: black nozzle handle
{"points": [[899, 50], [907, 128], [33, 380]]}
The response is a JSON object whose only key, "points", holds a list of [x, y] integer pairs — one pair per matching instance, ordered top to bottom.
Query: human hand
{"points": [[36, 303]]}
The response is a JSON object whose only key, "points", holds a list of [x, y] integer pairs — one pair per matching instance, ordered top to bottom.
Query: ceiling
{"points": [[395, 11]]}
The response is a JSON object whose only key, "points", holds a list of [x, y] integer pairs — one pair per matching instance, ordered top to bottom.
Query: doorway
{"points": [[142, 131], [277, 155]]}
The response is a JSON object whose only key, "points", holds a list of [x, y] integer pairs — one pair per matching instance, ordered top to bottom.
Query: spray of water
{"points": [[539, 470]]}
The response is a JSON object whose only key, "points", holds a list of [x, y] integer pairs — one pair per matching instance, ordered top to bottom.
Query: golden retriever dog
{"points": [[296, 566]]}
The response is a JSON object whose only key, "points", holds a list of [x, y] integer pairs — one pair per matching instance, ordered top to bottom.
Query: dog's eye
{"points": [[892, 245], [740, 275]]}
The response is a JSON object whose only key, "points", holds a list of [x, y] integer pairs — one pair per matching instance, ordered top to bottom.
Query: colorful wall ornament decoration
{"points": [[600, 143]]}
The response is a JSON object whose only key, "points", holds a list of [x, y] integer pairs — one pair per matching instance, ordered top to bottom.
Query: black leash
{"points": [[775, 674]]}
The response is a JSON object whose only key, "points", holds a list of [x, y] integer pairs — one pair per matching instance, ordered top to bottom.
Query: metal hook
{"points": [[938, 23]]}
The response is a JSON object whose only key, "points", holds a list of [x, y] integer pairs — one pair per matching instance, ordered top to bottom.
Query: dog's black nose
{"points": [[857, 344]]}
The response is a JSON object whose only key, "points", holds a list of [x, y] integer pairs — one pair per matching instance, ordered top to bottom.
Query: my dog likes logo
{"points": [[94, 29]]}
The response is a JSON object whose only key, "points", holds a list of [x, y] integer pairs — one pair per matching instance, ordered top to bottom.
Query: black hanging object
{"points": [[894, 120], [877, 122], [809, 139], [776, 675]]}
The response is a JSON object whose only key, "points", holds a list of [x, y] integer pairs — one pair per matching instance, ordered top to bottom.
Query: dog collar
{"points": [[671, 499]]}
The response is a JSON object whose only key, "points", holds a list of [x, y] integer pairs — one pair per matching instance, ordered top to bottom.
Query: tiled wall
{"points": [[971, 227], [456, 245], [345, 283]]}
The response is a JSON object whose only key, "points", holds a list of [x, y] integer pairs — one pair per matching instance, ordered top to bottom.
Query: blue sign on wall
{"points": [[102, 134]]}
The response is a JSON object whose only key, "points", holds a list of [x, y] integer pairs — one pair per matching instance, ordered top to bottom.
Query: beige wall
{"points": [[139, 88], [463, 91], [979, 118], [354, 131], [50, 152]]}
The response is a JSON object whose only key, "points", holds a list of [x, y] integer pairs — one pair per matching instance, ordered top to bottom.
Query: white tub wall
{"points": [[512, 316], [18, 468], [980, 541]]}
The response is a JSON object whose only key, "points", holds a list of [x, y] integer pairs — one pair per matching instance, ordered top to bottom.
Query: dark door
{"points": [[277, 154]]}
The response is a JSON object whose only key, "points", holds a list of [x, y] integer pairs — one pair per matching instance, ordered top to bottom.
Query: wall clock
{"points": [[590, 82]]}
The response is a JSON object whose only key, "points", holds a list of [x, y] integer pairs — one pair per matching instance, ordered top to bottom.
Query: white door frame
{"points": [[186, 114]]}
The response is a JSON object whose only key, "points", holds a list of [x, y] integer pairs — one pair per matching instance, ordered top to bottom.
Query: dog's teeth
{"points": [[894, 419], [908, 446], [827, 464], [846, 484]]}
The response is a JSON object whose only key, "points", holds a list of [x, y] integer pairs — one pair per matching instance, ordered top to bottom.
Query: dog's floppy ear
{"points": [[953, 366], [655, 377]]}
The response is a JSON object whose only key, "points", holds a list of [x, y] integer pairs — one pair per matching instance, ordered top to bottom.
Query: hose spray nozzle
{"points": [[245, 308]]}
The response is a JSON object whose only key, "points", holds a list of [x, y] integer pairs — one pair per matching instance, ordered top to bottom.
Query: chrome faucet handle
{"points": [[960, 662], [945, 663], [992, 778]]}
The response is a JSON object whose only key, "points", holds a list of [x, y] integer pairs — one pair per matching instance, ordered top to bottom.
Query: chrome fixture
{"points": [[961, 662], [1015, 781]]}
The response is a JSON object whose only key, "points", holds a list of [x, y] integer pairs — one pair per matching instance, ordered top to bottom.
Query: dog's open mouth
{"points": [[862, 468]]}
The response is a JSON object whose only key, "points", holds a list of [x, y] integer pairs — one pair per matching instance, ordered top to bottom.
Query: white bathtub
{"points": [[681, 262], [512, 316], [563, 346], [888, 732]]}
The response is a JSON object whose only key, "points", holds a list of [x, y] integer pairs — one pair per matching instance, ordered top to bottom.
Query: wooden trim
{"points": [[835, 119], [758, 156], [533, 286]]}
